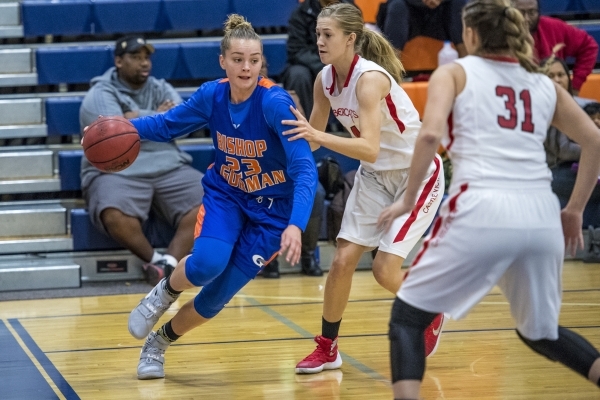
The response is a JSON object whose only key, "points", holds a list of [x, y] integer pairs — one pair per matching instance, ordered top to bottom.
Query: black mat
{"points": [[86, 289]]}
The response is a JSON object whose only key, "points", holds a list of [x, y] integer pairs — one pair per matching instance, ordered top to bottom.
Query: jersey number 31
{"points": [[510, 100]]}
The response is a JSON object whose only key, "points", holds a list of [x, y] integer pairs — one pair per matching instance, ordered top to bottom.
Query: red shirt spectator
{"points": [[549, 32]]}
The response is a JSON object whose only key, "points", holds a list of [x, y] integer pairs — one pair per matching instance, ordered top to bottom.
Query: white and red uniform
{"points": [[377, 185], [501, 223]]}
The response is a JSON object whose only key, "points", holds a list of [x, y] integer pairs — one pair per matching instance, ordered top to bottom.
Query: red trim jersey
{"points": [[400, 121], [498, 125]]}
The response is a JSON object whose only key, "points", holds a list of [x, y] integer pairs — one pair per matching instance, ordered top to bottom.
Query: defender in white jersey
{"points": [[366, 98], [502, 223]]}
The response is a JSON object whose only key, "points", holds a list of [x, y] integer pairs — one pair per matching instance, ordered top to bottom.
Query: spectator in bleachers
{"points": [[402, 20], [554, 36], [303, 61], [593, 110], [562, 153], [161, 181], [310, 237]]}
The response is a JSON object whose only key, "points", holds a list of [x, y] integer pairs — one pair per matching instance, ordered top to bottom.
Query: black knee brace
{"points": [[407, 346], [569, 349]]}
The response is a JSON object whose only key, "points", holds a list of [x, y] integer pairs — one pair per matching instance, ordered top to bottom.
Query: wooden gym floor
{"points": [[79, 348]]}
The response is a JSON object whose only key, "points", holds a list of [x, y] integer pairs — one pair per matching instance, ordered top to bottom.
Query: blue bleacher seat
{"points": [[557, 6], [591, 6], [265, 13], [196, 14], [112, 16], [64, 17], [276, 52], [202, 59], [188, 60], [165, 62], [72, 64], [62, 115], [202, 155], [69, 167], [86, 237]]}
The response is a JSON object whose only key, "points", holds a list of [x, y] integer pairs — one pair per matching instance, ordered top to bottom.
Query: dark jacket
{"points": [[302, 38]]}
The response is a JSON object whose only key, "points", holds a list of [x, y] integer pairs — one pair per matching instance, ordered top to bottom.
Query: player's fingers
{"points": [[291, 122], [293, 131]]}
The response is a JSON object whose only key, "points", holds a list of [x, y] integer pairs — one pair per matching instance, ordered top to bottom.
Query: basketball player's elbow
{"points": [[429, 137], [371, 154]]}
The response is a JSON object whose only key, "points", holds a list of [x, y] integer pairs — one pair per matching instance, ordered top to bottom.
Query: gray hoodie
{"points": [[108, 95]]}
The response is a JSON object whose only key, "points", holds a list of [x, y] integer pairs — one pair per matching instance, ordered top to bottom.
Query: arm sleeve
{"points": [[582, 46], [180, 120], [300, 162]]}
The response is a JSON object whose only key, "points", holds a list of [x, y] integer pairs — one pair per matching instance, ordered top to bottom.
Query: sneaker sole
{"points": [[327, 366], [144, 377]]}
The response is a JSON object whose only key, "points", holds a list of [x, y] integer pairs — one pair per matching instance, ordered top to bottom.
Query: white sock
{"points": [[155, 257], [172, 261]]}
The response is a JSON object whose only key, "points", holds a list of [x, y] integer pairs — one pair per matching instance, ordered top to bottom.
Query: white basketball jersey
{"points": [[400, 122], [498, 125]]}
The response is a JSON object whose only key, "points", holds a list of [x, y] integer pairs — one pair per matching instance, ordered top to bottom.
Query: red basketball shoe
{"points": [[432, 335], [325, 356]]}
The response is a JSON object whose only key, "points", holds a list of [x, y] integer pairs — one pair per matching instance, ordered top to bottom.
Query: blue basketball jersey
{"points": [[252, 156]]}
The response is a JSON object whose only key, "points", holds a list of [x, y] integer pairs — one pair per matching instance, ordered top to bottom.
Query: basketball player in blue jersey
{"points": [[258, 193]]}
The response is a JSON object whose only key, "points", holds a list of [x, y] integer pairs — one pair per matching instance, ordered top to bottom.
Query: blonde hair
{"points": [[236, 27], [501, 27], [369, 44]]}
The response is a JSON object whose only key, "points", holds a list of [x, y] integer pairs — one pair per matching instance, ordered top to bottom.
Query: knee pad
{"points": [[208, 259], [207, 306], [407, 345], [569, 349]]}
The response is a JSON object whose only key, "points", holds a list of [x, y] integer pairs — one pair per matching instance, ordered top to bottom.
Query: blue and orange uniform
{"points": [[259, 184]]}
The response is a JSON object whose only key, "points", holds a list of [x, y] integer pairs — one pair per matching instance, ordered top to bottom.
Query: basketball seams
{"points": [[112, 147]]}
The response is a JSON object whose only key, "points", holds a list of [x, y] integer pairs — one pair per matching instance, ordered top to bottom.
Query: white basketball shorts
{"points": [[373, 191], [483, 237]]}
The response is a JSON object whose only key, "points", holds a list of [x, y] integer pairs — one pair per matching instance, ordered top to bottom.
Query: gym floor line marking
{"points": [[173, 310], [290, 324], [357, 336], [60, 382]]}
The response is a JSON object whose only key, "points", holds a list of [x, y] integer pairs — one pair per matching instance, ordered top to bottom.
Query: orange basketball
{"points": [[111, 144]]}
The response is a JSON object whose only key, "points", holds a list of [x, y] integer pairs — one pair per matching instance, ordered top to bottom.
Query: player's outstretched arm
{"points": [[574, 122]]}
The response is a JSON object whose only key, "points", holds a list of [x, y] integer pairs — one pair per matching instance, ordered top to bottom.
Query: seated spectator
{"points": [[402, 20], [554, 36], [303, 61], [558, 71], [593, 110], [562, 153], [161, 180], [310, 236]]}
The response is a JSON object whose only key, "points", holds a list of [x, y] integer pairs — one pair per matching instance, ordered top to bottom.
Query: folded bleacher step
{"points": [[10, 19], [16, 68], [21, 111], [22, 131], [26, 164], [29, 185], [32, 220], [34, 245], [27, 274]]}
